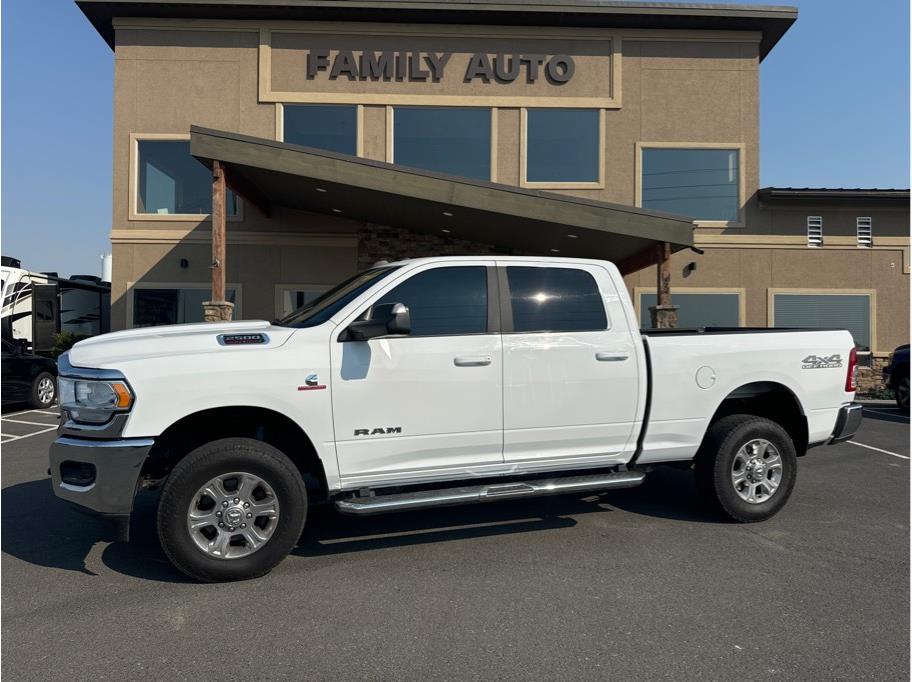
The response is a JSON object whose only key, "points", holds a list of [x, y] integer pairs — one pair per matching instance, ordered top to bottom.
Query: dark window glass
{"points": [[332, 127], [451, 140], [562, 145], [171, 181], [699, 183], [555, 300], [445, 301], [329, 303], [153, 307], [697, 310], [44, 311], [827, 311]]}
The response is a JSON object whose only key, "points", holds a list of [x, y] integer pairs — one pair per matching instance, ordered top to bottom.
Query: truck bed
{"points": [[693, 370]]}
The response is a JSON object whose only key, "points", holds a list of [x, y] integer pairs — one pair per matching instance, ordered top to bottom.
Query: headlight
{"points": [[94, 401]]}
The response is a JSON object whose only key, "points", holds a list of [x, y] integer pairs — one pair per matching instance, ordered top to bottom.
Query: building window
{"points": [[330, 127], [454, 140], [562, 145], [172, 182], [700, 183], [815, 230], [863, 230], [290, 297], [555, 300], [444, 301], [158, 306], [703, 309], [828, 311]]}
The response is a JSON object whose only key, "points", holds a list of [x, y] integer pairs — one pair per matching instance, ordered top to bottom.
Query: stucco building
{"points": [[643, 105]]}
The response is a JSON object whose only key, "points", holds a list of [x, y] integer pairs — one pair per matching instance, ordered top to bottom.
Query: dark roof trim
{"points": [[772, 21], [263, 143], [874, 195], [522, 220]]}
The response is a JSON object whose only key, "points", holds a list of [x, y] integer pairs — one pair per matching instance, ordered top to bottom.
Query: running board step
{"points": [[445, 497]]}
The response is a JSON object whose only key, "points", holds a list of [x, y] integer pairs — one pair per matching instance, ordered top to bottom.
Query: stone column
{"points": [[218, 309], [664, 315]]}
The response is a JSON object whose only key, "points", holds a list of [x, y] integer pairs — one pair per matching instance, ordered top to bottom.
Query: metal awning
{"points": [[269, 173]]}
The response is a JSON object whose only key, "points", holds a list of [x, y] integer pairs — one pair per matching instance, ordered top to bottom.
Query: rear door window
{"points": [[555, 300]]}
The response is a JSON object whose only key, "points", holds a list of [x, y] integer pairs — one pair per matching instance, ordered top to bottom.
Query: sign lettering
{"points": [[387, 66]]}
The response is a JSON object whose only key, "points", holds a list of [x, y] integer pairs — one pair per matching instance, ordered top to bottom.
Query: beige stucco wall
{"points": [[653, 86], [757, 271]]}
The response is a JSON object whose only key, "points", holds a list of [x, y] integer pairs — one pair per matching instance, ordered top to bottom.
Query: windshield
{"points": [[324, 307]]}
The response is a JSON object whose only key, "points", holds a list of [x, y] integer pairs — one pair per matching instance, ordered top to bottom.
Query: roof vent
{"points": [[815, 230], [864, 233]]}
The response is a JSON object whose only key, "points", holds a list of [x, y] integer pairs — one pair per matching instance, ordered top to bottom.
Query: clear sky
{"points": [[834, 113]]}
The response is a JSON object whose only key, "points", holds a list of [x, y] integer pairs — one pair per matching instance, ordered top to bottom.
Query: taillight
{"points": [[850, 372]]}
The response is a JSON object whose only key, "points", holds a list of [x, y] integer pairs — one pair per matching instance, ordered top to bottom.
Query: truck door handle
{"points": [[611, 355], [472, 360]]}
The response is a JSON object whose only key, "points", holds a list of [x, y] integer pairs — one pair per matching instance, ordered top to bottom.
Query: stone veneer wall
{"points": [[380, 242], [869, 380]]}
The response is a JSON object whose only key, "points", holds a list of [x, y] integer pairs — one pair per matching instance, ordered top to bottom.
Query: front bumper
{"points": [[847, 422], [100, 475]]}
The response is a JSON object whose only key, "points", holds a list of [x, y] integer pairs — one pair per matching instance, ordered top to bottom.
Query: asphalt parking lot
{"points": [[637, 583]]}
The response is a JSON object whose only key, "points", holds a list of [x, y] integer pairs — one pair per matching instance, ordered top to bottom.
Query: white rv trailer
{"points": [[37, 305]]}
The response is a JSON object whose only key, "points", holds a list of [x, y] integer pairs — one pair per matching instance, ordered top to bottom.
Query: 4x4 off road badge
{"points": [[821, 361]]}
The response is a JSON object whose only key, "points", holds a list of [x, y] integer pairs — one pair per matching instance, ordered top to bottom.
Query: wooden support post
{"points": [[218, 308], [664, 314]]}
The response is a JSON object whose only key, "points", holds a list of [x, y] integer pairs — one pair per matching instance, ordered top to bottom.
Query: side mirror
{"points": [[381, 320], [20, 346]]}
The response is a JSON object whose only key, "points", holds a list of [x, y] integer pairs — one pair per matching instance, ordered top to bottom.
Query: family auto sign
{"points": [[367, 65]]}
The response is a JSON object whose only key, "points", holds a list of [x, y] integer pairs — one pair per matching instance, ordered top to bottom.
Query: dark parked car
{"points": [[896, 376], [27, 378]]}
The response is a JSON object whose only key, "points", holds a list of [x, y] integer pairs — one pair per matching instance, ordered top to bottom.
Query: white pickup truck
{"points": [[434, 382]]}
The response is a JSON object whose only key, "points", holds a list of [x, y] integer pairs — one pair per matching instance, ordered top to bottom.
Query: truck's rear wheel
{"points": [[747, 467], [231, 509]]}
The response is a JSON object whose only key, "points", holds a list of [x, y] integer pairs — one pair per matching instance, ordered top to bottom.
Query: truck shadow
{"points": [[42, 530]]}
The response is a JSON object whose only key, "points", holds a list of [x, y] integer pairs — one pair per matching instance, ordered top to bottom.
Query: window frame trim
{"points": [[359, 120], [391, 128], [742, 183], [555, 184], [133, 191], [132, 287], [741, 292], [870, 293], [506, 300]]}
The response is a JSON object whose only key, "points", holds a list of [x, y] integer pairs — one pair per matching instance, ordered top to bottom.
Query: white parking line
{"points": [[16, 414], [22, 421], [10, 438], [871, 447]]}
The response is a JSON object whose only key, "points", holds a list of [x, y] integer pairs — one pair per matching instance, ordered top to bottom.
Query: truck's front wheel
{"points": [[747, 467], [230, 510]]}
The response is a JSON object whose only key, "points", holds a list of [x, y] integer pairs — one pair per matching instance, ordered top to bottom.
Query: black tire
{"points": [[901, 390], [38, 397], [218, 458], [714, 462]]}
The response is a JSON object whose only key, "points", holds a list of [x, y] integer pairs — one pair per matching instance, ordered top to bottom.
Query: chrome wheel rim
{"points": [[46, 391], [756, 471], [233, 515]]}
